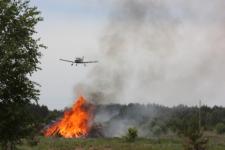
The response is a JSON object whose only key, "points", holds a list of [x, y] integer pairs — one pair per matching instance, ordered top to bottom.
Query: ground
{"points": [[216, 142]]}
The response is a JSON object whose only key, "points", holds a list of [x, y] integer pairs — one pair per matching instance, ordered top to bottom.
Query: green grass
{"points": [[215, 143], [102, 144]]}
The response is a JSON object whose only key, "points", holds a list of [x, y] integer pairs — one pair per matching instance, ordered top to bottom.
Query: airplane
{"points": [[79, 60]]}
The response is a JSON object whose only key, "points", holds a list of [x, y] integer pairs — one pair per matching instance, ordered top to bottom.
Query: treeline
{"points": [[42, 116], [208, 117], [150, 119], [155, 119]]}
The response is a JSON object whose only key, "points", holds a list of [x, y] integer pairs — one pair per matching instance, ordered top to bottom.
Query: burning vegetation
{"points": [[76, 122]]}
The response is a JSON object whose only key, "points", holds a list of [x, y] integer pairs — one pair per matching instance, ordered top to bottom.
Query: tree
{"points": [[19, 59], [189, 129]]}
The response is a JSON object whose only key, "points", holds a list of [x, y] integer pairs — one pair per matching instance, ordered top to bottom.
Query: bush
{"points": [[220, 128], [192, 134], [131, 135], [33, 141]]}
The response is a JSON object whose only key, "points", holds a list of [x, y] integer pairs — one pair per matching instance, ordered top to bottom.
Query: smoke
{"points": [[165, 51], [169, 52], [116, 119]]}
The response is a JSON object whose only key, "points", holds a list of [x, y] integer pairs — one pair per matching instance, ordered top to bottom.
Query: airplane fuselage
{"points": [[79, 61]]}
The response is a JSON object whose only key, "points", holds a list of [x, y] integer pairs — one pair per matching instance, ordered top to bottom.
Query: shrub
{"points": [[220, 128], [192, 134], [131, 135]]}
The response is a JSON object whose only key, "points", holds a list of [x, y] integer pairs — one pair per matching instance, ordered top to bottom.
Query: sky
{"points": [[70, 29], [169, 52]]}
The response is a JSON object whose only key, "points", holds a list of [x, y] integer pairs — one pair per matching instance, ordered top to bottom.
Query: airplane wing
{"points": [[67, 60], [90, 62]]}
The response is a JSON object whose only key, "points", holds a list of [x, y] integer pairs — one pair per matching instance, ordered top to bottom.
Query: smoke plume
{"points": [[169, 52]]}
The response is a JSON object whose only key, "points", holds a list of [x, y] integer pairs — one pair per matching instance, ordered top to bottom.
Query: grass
{"points": [[216, 142], [102, 144]]}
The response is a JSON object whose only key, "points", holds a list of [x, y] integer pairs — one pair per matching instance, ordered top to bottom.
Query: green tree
{"points": [[19, 58], [188, 128], [131, 135]]}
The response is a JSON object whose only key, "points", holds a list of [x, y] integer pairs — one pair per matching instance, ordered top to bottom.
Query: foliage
{"points": [[19, 58], [158, 128], [220, 128], [189, 129], [131, 135]]}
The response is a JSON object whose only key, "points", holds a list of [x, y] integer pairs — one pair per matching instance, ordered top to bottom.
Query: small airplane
{"points": [[79, 60]]}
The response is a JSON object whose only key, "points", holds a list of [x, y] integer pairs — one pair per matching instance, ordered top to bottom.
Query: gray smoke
{"points": [[164, 51], [169, 51]]}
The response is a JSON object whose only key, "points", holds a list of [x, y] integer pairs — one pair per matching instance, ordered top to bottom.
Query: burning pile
{"points": [[75, 123]]}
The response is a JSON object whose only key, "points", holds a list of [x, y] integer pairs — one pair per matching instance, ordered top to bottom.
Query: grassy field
{"points": [[216, 142]]}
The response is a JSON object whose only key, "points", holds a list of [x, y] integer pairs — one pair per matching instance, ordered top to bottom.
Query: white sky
{"points": [[70, 29]]}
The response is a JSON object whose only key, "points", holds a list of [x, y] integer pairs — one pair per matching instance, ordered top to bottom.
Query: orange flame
{"points": [[75, 122]]}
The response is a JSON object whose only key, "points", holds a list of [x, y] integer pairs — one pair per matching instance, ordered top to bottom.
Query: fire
{"points": [[75, 122]]}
